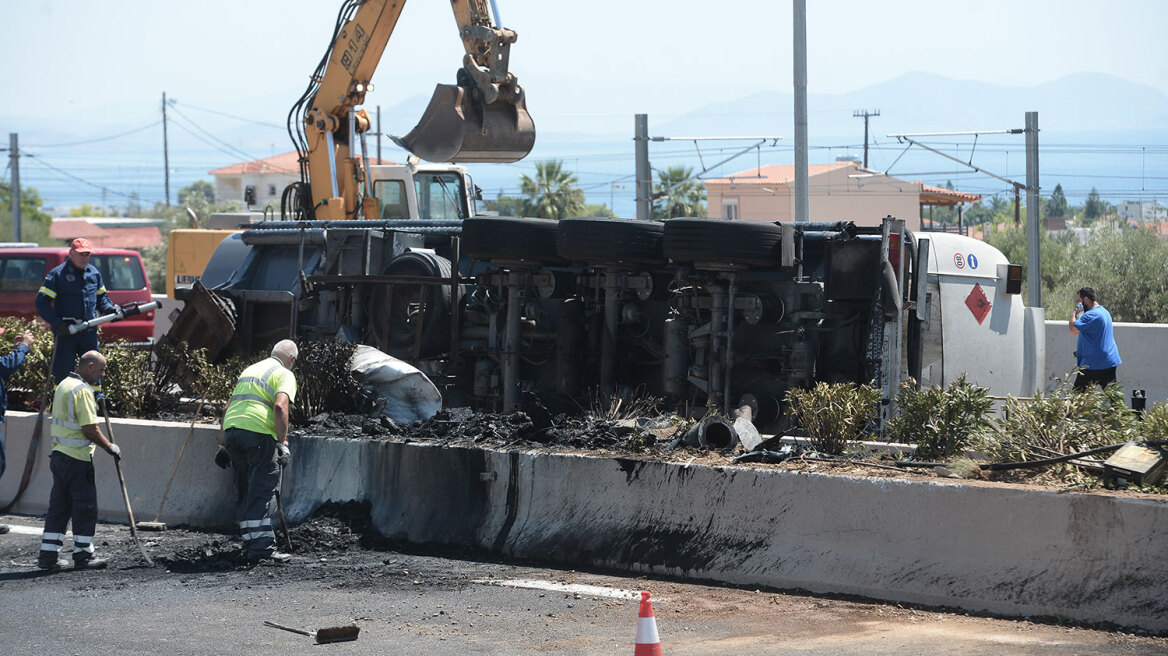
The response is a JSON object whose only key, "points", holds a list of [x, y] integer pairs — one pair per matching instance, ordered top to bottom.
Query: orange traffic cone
{"points": [[648, 644]]}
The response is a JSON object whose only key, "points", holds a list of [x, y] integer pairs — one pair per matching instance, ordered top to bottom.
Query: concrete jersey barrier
{"points": [[1003, 549]]}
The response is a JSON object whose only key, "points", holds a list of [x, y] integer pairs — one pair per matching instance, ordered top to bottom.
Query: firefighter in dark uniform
{"points": [[73, 291]]}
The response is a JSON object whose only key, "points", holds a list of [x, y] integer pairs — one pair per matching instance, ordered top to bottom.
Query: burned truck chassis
{"points": [[705, 314]]}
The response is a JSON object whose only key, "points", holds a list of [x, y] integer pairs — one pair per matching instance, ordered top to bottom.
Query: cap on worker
{"points": [[81, 245]]}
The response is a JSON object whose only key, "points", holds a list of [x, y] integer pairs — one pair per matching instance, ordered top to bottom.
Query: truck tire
{"points": [[512, 239], [602, 240], [739, 243], [394, 309]]}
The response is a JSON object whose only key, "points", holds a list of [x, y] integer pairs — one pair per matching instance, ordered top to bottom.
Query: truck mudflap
{"points": [[458, 128], [207, 321]]}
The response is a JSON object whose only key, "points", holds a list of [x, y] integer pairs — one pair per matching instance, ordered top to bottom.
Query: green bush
{"points": [[26, 384], [833, 413], [941, 422], [1062, 422], [1155, 424]]}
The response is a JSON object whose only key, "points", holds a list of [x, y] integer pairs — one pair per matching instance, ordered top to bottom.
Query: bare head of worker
{"points": [[79, 252], [286, 352], [91, 367]]}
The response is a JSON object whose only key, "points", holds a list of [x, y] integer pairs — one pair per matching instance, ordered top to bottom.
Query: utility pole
{"points": [[866, 115], [379, 134], [165, 151], [644, 186], [14, 196], [802, 199], [1033, 212]]}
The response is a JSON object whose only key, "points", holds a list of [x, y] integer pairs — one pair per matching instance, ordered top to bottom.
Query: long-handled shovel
{"points": [[125, 494], [157, 525]]}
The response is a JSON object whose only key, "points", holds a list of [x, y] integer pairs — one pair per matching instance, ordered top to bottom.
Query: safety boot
{"points": [[49, 561], [90, 563]]}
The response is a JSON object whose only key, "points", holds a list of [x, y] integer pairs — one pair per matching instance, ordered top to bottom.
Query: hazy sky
{"points": [[253, 56], [87, 71]]}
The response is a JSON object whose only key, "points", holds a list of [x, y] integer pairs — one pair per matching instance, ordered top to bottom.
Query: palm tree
{"points": [[553, 193], [680, 196]]}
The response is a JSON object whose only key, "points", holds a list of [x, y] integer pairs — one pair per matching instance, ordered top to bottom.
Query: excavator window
{"points": [[392, 194], [439, 196]]}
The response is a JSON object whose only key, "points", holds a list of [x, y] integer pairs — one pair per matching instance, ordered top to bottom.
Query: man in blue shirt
{"points": [[73, 291], [1096, 354], [9, 364]]}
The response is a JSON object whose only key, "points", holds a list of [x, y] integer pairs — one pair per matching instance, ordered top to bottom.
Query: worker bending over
{"points": [[75, 435], [254, 442]]}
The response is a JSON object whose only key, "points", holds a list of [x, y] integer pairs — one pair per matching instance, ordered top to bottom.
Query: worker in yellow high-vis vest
{"points": [[254, 442], [74, 496]]}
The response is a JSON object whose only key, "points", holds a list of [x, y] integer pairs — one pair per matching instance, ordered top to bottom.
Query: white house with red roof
{"points": [[262, 181], [258, 182], [843, 191]]}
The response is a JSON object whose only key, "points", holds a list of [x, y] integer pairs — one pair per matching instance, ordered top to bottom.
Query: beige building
{"points": [[837, 192]]}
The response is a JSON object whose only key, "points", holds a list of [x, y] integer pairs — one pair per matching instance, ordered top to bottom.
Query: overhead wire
{"points": [[96, 140]]}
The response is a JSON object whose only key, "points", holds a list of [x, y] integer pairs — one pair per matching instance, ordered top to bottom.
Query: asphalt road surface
{"points": [[198, 600]]}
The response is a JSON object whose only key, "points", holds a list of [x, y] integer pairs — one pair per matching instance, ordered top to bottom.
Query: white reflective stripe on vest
{"points": [[261, 382], [251, 397], [69, 421]]}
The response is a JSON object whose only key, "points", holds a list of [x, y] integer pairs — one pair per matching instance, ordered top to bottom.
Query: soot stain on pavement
{"points": [[334, 528]]}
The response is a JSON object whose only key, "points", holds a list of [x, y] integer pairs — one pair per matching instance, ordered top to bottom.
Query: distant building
{"points": [[261, 181], [258, 182], [838, 192], [1142, 211], [109, 232]]}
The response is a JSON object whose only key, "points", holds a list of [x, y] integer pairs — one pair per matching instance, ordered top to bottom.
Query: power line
{"points": [[238, 118], [99, 139], [237, 151], [42, 162]]}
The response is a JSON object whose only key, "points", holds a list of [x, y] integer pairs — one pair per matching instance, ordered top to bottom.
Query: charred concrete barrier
{"points": [[1004, 549]]}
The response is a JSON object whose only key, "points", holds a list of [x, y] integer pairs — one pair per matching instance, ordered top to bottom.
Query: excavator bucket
{"points": [[454, 129]]}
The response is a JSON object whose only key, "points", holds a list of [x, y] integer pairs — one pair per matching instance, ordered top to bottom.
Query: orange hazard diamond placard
{"points": [[977, 303]]}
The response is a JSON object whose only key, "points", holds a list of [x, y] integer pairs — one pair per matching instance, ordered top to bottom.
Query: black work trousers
{"points": [[256, 475], [74, 497]]}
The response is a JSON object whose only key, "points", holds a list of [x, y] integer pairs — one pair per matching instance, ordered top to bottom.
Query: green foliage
{"points": [[199, 190], [553, 193], [679, 195], [506, 205], [1056, 205], [1094, 207], [87, 210], [34, 224], [1122, 265], [26, 384], [129, 387], [833, 413], [1063, 421], [942, 422], [1155, 424]]}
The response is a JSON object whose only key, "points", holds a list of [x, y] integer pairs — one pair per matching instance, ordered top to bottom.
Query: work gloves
{"points": [[114, 451], [283, 455], [222, 458]]}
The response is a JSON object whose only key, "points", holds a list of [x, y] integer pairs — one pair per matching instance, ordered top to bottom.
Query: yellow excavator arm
{"points": [[481, 118]]}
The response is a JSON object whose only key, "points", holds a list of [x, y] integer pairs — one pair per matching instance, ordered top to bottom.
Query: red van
{"points": [[23, 269]]}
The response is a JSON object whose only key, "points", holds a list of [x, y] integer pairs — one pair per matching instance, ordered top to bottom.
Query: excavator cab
{"points": [[460, 126]]}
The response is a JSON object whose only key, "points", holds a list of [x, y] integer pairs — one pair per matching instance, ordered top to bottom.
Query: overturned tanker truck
{"points": [[706, 314]]}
